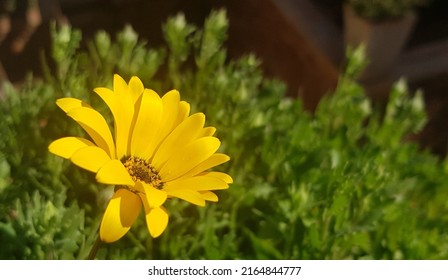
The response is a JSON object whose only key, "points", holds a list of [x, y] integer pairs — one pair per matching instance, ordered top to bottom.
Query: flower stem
{"points": [[94, 249]]}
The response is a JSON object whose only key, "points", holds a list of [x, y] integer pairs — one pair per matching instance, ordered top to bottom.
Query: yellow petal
{"points": [[120, 85], [135, 88], [108, 97], [67, 104], [122, 109], [184, 111], [149, 113], [170, 113], [123, 116], [96, 126], [207, 131], [181, 136], [65, 147], [192, 155], [90, 158], [212, 161], [114, 173], [220, 175], [197, 183], [189, 196], [209, 196], [154, 197], [120, 214], [156, 220]]}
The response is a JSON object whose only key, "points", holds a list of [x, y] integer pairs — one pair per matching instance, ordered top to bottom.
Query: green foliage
{"points": [[384, 9], [341, 183], [38, 229]]}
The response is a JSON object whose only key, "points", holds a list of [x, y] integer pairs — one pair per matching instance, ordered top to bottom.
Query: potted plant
{"points": [[383, 26]]}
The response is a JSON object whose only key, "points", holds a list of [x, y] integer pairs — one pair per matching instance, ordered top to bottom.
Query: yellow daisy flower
{"points": [[158, 151]]}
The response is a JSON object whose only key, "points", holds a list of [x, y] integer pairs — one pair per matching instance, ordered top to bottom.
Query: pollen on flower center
{"points": [[141, 170]]}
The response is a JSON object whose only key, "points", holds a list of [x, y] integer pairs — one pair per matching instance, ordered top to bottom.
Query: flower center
{"points": [[141, 170]]}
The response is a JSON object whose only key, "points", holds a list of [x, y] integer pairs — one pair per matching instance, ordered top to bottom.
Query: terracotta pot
{"points": [[384, 40]]}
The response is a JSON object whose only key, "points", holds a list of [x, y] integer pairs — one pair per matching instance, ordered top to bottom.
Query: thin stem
{"points": [[94, 249]]}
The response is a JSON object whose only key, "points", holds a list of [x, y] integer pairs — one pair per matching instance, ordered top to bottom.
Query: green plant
{"points": [[384, 9], [342, 183]]}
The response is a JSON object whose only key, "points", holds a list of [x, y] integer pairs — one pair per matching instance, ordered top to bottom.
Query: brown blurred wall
{"points": [[256, 26]]}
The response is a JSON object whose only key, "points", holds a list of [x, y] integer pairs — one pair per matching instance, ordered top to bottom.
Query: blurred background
{"points": [[300, 42], [304, 99]]}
